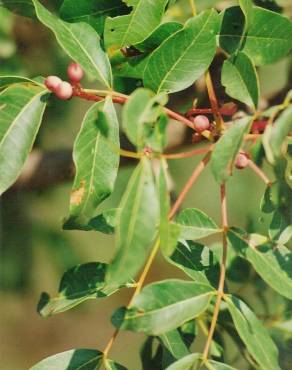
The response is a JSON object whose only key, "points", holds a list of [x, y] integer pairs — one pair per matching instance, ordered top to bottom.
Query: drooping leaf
{"points": [[23, 7], [247, 9], [92, 11], [130, 29], [161, 33], [266, 40], [80, 42], [182, 58], [240, 79], [21, 110], [140, 115], [275, 136], [227, 148], [96, 157], [267, 202], [104, 222], [195, 224], [136, 226], [280, 231], [168, 233], [197, 261], [273, 264], [78, 284], [164, 306], [253, 334], [174, 343], [151, 354], [89, 359], [189, 362], [111, 365], [215, 365]]}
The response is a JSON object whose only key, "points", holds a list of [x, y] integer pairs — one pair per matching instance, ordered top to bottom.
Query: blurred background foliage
{"points": [[35, 251]]}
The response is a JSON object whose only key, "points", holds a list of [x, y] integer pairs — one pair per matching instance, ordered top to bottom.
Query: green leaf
{"points": [[21, 7], [247, 9], [92, 11], [130, 29], [161, 33], [267, 39], [80, 42], [182, 58], [131, 67], [240, 79], [9, 80], [21, 110], [140, 114], [275, 135], [227, 148], [96, 157], [267, 202], [104, 222], [195, 224], [136, 226], [280, 231], [168, 233], [197, 261], [273, 264], [77, 285], [164, 306], [253, 334], [174, 343], [89, 359], [187, 363], [111, 365], [215, 365]]}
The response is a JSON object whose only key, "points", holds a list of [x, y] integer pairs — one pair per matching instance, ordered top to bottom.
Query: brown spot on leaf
{"points": [[78, 194]]}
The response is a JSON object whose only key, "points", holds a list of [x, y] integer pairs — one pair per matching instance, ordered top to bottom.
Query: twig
{"points": [[259, 173], [155, 249], [220, 290]]}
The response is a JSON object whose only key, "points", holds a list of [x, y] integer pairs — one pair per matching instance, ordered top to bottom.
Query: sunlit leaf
{"points": [[179, 61], [164, 306], [89, 359], [189, 362]]}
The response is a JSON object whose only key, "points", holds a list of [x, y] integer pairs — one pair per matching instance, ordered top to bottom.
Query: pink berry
{"points": [[75, 72], [52, 82], [64, 91], [229, 109], [201, 123], [241, 161]]}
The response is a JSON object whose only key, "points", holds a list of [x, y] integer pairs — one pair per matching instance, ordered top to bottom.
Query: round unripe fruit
{"points": [[75, 72], [52, 82], [64, 91], [201, 123], [241, 161]]}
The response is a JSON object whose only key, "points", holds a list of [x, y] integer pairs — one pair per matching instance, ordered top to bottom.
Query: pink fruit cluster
{"points": [[63, 89]]}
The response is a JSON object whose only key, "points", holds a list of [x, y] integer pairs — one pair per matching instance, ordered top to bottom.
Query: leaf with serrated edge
{"points": [[135, 27], [268, 37], [80, 42], [182, 58], [239, 77], [22, 107], [227, 148], [96, 157], [136, 226], [273, 264], [166, 305], [253, 334], [72, 360]]}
